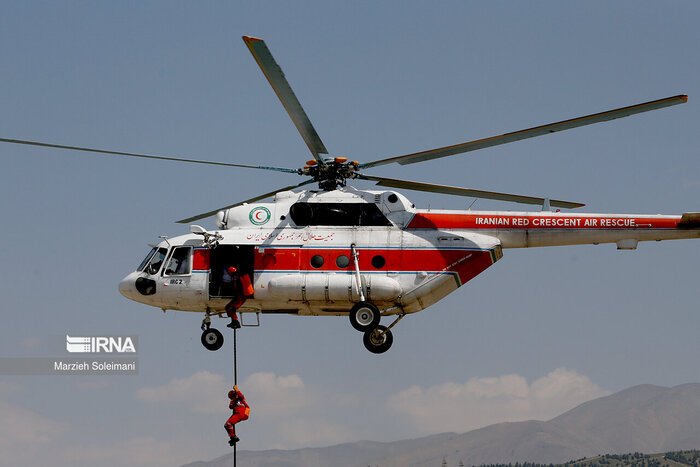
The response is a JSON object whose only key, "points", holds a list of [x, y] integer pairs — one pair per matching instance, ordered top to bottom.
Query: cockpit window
{"points": [[345, 214], [145, 260], [154, 260], [179, 262]]}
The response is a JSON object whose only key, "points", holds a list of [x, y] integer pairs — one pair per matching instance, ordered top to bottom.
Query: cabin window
{"points": [[342, 214], [154, 260], [317, 261], [342, 261], [378, 261], [179, 262]]}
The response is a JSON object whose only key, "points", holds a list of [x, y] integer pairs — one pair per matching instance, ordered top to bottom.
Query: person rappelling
{"points": [[240, 287], [241, 411]]}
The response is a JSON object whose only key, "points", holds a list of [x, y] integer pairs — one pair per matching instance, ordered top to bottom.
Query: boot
{"points": [[234, 324], [234, 439]]}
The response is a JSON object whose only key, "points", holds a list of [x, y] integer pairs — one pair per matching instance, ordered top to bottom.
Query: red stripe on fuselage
{"points": [[519, 222], [398, 260]]}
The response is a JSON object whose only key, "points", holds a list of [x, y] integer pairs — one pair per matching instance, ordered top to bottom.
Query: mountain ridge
{"points": [[643, 418]]}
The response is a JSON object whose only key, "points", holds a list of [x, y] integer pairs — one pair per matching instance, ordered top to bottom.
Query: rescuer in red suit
{"points": [[232, 277], [241, 410]]}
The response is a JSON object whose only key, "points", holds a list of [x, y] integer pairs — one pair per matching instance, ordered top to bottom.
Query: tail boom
{"points": [[538, 229]]}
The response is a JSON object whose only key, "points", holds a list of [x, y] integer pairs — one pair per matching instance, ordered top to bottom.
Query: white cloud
{"points": [[203, 392], [276, 396], [480, 402], [288, 413], [297, 415], [313, 431], [24, 432], [138, 451]]}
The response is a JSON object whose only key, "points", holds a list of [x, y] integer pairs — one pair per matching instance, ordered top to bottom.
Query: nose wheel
{"points": [[212, 339]]}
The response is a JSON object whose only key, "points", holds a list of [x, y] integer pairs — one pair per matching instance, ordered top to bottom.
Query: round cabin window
{"points": [[317, 261], [342, 261], [378, 261]]}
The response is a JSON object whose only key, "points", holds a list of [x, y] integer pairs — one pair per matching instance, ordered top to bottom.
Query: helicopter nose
{"points": [[127, 287]]}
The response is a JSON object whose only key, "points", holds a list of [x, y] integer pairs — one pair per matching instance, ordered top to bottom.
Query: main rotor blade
{"points": [[275, 76], [529, 133], [145, 156], [452, 190], [256, 198]]}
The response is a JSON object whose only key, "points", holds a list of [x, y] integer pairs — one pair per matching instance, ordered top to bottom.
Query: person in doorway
{"points": [[232, 281], [241, 288], [241, 411]]}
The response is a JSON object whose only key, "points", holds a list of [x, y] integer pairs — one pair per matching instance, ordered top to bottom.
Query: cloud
{"points": [[203, 392], [276, 396], [479, 402], [283, 407], [288, 413], [296, 414], [314, 431], [23, 432], [137, 451]]}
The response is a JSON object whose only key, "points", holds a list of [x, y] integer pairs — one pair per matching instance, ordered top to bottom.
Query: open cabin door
{"points": [[223, 257]]}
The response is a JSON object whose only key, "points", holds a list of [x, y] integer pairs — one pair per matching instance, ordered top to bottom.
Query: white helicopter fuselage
{"points": [[314, 253]]}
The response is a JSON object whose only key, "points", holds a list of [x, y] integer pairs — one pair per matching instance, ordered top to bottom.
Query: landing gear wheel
{"points": [[364, 316], [212, 339], [375, 342]]}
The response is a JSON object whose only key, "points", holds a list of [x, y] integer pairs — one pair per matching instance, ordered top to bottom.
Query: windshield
{"points": [[145, 260], [151, 264]]}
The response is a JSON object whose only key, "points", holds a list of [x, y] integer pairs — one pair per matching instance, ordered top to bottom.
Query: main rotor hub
{"points": [[331, 173]]}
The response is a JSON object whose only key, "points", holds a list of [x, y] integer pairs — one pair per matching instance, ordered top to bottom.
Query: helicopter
{"points": [[366, 254]]}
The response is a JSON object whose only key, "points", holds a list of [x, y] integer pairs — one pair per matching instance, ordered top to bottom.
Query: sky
{"points": [[538, 333]]}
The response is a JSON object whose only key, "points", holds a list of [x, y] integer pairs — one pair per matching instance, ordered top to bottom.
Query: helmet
{"points": [[231, 270], [232, 394]]}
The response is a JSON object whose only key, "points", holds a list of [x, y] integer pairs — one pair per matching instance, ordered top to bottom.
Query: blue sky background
{"points": [[540, 332]]}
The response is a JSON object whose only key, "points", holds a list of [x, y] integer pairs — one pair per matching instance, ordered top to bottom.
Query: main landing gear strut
{"points": [[365, 316]]}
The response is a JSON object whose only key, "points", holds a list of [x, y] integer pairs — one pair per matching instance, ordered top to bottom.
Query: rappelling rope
{"points": [[235, 362], [235, 383]]}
